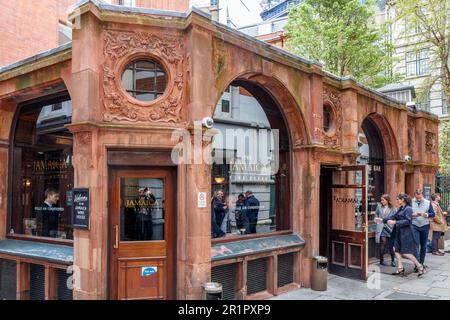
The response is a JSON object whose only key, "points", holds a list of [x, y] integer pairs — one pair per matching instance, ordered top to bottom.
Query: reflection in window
{"points": [[145, 80], [250, 170], [43, 171], [142, 211]]}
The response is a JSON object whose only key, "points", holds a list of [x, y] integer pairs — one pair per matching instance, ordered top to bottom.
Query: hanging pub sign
{"points": [[80, 208]]}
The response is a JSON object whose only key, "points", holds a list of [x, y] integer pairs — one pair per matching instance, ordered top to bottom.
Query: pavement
{"points": [[381, 285]]}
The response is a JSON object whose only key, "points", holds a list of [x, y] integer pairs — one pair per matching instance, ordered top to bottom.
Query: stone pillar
{"points": [[7, 111], [315, 118], [350, 124], [394, 178], [306, 221], [90, 246], [196, 250]]}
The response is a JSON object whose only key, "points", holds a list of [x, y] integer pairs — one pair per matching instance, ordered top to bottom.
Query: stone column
{"points": [[7, 111], [350, 124], [306, 192], [90, 246], [195, 268]]}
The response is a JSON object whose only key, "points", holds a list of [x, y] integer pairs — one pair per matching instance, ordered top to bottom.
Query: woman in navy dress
{"points": [[404, 243]]}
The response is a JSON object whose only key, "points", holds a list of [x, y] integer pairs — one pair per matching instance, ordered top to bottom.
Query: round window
{"points": [[144, 80], [327, 118]]}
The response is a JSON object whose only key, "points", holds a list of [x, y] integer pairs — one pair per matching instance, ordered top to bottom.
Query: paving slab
{"points": [[439, 292]]}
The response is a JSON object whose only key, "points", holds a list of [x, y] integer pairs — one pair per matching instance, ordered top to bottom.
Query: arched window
{"points": [[251, 164], [42, 171]]}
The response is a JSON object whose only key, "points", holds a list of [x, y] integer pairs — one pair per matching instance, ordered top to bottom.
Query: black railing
{"points": [[443, 188]]}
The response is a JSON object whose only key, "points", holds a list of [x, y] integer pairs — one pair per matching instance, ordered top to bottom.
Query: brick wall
{"points": [[29, 27]]}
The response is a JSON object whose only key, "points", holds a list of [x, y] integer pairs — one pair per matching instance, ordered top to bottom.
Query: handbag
{"points": [[388, 228]]}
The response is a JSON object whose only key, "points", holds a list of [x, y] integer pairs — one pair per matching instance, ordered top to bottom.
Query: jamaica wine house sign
{"points": [[80, 208]]}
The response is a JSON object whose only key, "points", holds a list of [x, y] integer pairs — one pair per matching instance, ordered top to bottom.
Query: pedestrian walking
{"points": [[384, 209], [422, 211], [438, 224], [404, 244]]}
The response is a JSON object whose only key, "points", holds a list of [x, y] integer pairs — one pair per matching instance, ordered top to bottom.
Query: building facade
{"points": [[114, 194]]}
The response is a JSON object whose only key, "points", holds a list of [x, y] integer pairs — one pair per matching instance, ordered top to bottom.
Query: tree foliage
{"points": [[430, 20], [343, 36], [444, 147]]}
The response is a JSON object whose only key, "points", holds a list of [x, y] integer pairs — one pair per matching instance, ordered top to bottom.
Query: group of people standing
{"points": [[245, 211], [405, 230]]}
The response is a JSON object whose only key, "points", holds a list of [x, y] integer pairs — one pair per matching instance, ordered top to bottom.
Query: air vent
{"points": [[285, 269], [226, 275], [256, 275], [7, 280], [37, 282], [64, 285]]}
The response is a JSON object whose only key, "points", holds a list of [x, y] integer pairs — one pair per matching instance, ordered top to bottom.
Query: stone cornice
{"points": [[36, 62], [94, 126]]}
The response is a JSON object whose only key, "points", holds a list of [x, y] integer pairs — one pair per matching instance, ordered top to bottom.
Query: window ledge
{"points": [[238, 248], [40, 251]]}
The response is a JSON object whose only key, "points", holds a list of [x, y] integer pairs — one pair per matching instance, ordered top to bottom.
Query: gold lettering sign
{"points": [[49, 165], [140, 203]]}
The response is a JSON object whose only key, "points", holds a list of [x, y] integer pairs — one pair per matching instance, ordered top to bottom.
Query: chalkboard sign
{"points": [[80, 208]]}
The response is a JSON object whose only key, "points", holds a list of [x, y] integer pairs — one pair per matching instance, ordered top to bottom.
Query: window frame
{"points": [[417, 62], [158, 67], [31, 104]]}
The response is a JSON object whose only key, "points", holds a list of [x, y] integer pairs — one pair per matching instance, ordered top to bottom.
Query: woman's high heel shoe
{"points": [[421, 271], [399, 272]]}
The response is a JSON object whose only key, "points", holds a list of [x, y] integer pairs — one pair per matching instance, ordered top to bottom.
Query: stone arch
{"points": [[272, 93], [388, 137]]}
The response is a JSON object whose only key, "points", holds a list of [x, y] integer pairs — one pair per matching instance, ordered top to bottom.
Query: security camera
{"points": [[208, 122], [408, 158]]}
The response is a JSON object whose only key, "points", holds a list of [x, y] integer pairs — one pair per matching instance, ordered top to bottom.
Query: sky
{"points": [[242, 13]]}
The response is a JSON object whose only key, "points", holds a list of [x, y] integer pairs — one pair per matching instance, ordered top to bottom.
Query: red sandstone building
{"points": [[103, 181]]}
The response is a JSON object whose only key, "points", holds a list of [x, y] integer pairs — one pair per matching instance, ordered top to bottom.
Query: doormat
{"points": [[407, 296]]}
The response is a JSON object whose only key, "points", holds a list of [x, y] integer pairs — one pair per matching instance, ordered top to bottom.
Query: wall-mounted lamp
{"points": [[219, 179]]}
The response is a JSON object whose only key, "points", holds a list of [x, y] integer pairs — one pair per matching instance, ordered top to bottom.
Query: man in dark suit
{"points": [[251, 210], [50, 213]]}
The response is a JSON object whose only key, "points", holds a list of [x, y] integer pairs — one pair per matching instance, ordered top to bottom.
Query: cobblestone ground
{"points": [[433, 285]]}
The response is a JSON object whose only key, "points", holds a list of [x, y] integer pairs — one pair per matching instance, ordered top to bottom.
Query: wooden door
{"points": [[141, 224], [349, 237]]}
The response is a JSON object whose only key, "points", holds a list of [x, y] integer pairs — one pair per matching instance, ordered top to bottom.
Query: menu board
{"points": [[80, 208]]}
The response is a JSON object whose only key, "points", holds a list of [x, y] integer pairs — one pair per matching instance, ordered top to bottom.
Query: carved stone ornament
{"points": [[120, 48], [332, 98], [430, 142]]}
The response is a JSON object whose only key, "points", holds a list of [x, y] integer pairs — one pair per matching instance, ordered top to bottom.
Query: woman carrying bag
{"points": [[438, 224], [383, 234], [404, 244]]}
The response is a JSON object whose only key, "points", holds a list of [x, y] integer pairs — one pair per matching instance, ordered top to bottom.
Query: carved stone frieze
{"points": [[119, 49], [332, 98], [430, 142]]}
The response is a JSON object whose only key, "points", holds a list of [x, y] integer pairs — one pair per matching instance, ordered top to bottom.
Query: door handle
{"points": [[116, 241]]}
